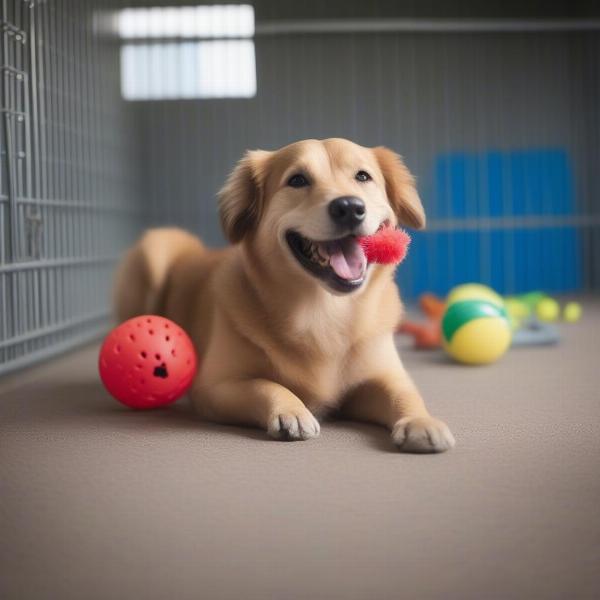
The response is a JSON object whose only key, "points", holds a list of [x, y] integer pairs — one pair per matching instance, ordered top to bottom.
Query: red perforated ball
{"points": [[147, 362]]}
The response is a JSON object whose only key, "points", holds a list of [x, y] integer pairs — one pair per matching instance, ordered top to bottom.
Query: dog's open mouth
{"points": [[340, 263]]}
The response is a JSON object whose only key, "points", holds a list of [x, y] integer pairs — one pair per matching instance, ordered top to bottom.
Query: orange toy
{"points": [[428, 335]]}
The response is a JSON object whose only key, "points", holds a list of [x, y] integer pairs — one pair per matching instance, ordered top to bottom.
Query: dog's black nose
{"points": [[347, 211]]}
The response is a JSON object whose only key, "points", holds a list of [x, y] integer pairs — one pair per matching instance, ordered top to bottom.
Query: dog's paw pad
{"points": [[294, 426], [422, 434]]}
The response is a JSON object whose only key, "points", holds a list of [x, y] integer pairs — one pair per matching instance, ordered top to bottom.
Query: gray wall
{"points": [[586, 81], [421, 94]]}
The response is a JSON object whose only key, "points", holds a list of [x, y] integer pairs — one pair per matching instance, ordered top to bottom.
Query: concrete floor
{"points": [[101, 502]]}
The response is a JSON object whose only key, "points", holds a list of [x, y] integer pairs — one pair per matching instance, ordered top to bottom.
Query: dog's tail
{"points": [[143, 271]]}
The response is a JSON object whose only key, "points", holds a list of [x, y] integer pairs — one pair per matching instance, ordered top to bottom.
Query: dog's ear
{"points": [[400, 188], [241, 198]]}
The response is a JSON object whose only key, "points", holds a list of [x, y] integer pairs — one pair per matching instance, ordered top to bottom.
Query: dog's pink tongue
{"points": [[347, 258]]}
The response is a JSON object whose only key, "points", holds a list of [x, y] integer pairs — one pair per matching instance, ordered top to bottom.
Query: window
{"points": [[187, 52]]}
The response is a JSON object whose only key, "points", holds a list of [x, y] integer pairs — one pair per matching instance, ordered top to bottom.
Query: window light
{"points": [[187, 52]]}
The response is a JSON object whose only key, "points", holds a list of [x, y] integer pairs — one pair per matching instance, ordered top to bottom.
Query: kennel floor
{"points": [[98, 501]]}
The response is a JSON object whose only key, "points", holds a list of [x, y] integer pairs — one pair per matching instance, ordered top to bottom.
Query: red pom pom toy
{"points": [[386, 246], [147, 362]]}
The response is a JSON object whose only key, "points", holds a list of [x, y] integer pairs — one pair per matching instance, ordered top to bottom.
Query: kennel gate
{"points": [[67, 197]]}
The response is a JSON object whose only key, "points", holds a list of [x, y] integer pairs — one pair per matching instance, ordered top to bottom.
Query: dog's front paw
{"points": [[294, 424], [422, 434]]}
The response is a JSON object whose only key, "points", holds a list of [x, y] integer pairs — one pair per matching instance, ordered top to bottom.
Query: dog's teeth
{"points": [[311, 250], [322, 260]]}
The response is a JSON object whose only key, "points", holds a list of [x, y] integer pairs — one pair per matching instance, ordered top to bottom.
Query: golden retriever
{"points": [[290, 321]]}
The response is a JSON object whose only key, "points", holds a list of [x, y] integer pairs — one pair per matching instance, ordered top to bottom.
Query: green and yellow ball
{"points": [[476, 331]]}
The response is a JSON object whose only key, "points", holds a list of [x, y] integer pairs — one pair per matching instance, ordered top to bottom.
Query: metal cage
{"points": [[67, 178]]}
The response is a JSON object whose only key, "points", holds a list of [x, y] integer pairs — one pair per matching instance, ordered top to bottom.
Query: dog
{"points": [[290, 321]]}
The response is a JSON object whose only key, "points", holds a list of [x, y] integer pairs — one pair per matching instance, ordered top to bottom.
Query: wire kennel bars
{"points": [[68, 202]]}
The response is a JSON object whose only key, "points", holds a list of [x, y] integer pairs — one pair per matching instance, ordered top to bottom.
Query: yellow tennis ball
{"points": [[473, 291], [547, 309], [572, 312], [476, 332]]}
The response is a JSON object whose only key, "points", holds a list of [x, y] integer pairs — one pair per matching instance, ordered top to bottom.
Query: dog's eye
{"points": [[362, 176], [297, 181]]}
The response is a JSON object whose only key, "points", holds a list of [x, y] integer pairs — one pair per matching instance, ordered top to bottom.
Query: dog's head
{"points": [[304, 206]]}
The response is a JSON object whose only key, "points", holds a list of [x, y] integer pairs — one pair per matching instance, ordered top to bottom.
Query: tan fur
{"points": [[278, 348]]}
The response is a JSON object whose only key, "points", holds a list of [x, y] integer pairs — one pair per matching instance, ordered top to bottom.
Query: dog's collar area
{"points": [[347, 251]]}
